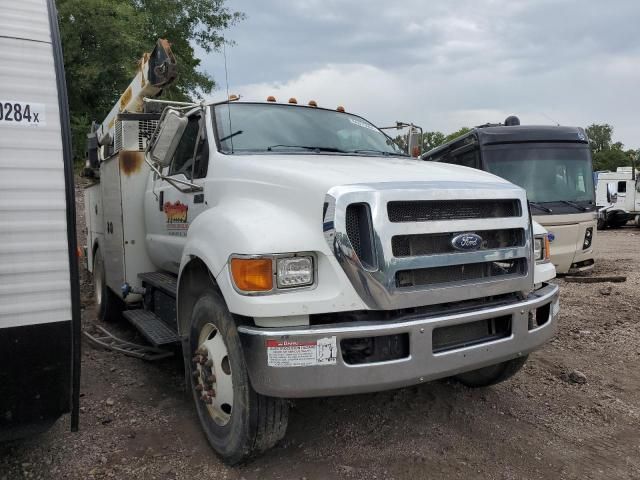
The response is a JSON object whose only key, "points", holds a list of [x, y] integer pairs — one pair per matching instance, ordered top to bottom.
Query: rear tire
{"points": [[108, 304], [483, 377], [237, 421]]}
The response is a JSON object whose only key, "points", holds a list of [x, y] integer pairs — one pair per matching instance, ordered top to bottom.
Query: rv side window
{"points": [[183, 159], [467, 159], [622, 187]]}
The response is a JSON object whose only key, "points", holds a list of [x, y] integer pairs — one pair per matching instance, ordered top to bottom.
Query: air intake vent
{"points": [[429, 210], [360, 233], [424, 277]]}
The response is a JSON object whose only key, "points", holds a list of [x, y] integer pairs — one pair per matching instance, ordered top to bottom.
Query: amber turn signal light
{"points": [[547, 248], [252, 274]]}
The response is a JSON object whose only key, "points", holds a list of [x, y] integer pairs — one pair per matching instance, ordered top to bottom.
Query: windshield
{"points": [[257, 127], [548, 174]]}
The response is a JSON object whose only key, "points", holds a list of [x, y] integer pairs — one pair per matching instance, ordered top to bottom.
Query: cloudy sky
{"points": [[443, 64]]}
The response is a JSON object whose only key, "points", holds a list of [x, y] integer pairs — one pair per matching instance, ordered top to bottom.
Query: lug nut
{"points": [[202, 351], [198, 359], [209, 363], [195, 375], [211, 379], [199, 387], [211, 393], [207, 399]]}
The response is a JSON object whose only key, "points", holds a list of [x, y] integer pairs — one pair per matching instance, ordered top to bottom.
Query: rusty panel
{"points": [[131, 161]]}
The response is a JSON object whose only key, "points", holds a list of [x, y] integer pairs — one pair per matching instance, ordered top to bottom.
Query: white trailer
{"points": [[618, 197], [39, 293]]}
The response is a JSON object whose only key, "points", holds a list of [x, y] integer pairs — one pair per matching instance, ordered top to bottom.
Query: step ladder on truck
{"points": [[295, 251], [39, 285]]}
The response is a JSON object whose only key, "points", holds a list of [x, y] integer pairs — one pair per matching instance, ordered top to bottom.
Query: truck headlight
{"points": [[541, 248], [294, 271], [269, 274]]}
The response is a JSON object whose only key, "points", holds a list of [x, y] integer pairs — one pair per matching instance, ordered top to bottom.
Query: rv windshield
{"points": [[278, 128], [548, 173]]}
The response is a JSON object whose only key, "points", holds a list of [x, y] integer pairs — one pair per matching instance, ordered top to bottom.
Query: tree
{"points": [[103, 41], [456, 134], [600, 136], [431, 140]]}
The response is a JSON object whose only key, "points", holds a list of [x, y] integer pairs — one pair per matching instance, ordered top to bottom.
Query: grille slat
{"points": [[431, 210], [360, 232], [439, 243], [427, 277]]}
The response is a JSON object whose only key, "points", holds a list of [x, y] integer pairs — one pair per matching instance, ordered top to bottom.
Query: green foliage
{"points": [[104, 39], [456, 134], [600, 136], [607, 154]]}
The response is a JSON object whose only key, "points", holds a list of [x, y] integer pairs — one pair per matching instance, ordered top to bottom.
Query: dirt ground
{"points": [[138, 422]]}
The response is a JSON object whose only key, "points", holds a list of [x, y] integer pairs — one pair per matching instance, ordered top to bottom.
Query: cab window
{"points": [[183, 158]]}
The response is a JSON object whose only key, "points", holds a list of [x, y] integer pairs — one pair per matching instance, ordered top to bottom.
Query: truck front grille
{"points": [[430, 210], [438, 243], [423, 277]]}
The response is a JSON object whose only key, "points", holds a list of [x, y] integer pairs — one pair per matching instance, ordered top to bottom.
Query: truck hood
{"points": [[316, 174]]}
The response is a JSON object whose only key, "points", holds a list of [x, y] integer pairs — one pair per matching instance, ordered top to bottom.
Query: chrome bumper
{"points": [[420, 366]]}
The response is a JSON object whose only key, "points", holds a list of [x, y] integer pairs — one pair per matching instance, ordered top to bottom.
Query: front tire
{"points": [[483, 377], [237, 421]]}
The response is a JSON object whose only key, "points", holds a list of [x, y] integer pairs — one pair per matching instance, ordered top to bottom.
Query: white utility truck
{"points": [[618, 197], [295, 251], [39, 288]]}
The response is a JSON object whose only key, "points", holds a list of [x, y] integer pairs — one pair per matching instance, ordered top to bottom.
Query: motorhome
{"points": [[553, 164]]}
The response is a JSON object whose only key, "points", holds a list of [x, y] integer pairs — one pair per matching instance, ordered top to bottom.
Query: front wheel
{"points": [[483, 377], [237, 421]]}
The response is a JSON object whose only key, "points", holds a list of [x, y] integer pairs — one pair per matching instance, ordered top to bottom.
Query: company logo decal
{"points": [[177, 217], [551, 237], [467, 242]]}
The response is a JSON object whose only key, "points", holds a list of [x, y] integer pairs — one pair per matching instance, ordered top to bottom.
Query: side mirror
{"points": [[166, 139], [414, 142], [612, 193]]}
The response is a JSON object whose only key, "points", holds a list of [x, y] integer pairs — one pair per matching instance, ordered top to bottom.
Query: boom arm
{"points": [[156, 70]]}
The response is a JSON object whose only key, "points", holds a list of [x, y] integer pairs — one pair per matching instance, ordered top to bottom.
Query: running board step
{"points": [[165, 282], [150, 325], [108, 340]]}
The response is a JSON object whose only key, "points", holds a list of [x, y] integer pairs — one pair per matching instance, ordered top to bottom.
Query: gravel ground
{"points": [[572, 412]]}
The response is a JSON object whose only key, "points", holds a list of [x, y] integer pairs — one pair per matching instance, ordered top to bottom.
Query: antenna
{"points": [[226, 77], [549, 118]]}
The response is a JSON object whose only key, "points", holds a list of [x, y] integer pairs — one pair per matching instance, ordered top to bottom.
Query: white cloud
{"points": [[444, 64]]}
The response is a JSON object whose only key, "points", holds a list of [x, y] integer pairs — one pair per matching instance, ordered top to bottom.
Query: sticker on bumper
{"points": [[285, 353]]}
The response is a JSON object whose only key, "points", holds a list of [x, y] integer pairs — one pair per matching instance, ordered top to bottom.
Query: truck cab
{"points": [[617, 197], [295, 251]]}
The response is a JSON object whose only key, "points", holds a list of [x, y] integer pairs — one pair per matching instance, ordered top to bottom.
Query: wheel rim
{"points": [[97, 281], [212, 374]]}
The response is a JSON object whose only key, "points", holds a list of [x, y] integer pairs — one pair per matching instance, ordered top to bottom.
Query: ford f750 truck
{"points": [[295, 251]]}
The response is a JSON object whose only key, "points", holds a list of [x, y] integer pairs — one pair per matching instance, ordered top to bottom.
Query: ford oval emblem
{"points": [[467, 242]]}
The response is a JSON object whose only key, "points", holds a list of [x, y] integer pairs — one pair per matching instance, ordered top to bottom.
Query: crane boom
{"points": [[156, 70]]}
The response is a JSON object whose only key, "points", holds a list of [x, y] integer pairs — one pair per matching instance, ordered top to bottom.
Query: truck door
{"points": [[169, 210]]}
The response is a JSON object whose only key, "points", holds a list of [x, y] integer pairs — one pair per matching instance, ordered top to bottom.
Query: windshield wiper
{"points": [[232, 135], [307, 147], [370, 150], [575, 205], [540, 207]]}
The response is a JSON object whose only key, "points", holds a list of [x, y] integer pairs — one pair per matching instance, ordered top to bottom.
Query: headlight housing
{"points": [[588, 238], [541, 248], [268, 274]]}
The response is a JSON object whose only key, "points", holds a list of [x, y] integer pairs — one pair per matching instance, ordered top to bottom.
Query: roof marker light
{"points": [[234, 97], [271, 98], [293, 100], [313, 103], [340, 108]]}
